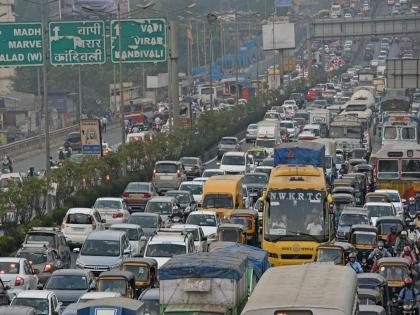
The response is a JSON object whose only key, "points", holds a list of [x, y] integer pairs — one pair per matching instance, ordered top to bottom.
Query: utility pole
{"points": [[237, 58], [211, 67], [79, 70], [174, 86], [122, 118]]}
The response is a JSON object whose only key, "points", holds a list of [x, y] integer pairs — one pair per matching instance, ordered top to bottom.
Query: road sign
{"points": [[143, 40], [77, 43], [20, 44], [91, 136]]}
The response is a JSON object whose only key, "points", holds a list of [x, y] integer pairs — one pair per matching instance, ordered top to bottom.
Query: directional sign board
{"points": [[142, 40], [77, 43], [20, 44]]}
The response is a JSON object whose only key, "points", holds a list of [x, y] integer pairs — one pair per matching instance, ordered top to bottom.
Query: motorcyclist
{"points": [[5, 165], [413, 235], [392, 237], [401, 242], [379, 249], [409, 255], [354, 264], [408, 294]]}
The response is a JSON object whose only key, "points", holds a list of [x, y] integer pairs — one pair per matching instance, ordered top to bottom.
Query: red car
{"points": [[311, 95]]}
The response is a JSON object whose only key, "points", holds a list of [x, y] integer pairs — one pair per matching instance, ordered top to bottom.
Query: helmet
{"points": [[403, 233], [380, 243], [407, 249], [352, 255], [408, 281]]}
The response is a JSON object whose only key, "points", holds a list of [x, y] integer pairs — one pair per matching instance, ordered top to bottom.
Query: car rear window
{"points": [[74, 137], [228, 141], [189, 161], [166, 168], [137, 187], [107, 204], [79, 218], [41, 237], [34, 258], [7, 267]]}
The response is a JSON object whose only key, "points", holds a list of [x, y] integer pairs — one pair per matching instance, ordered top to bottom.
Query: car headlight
{"points": [[115, 266]]}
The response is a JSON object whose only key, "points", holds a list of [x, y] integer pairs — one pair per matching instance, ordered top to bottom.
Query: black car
{"points": [[74, 141], [185, 199], [53, 238], [4, 297]]}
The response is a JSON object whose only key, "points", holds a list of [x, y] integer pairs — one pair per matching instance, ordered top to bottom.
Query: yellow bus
{"points": [[295, 214]]}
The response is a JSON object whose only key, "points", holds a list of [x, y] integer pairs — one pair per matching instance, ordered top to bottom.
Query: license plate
{"points": [[188, 168], [166, 177], [253, 194], [137, 196], [78, 229]]}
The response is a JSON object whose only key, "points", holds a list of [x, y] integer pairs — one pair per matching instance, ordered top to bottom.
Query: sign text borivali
{"points": [[20, 44]]}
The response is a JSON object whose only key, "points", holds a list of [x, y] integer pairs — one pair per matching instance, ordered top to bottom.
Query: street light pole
{"points": [[237, 58], [122, 118]]}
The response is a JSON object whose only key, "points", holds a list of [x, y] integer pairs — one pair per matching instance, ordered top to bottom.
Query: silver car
{"points": [[227, 144], [168, 175], [135, 235], [18, 274]]}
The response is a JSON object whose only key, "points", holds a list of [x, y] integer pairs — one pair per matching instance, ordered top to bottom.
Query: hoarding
{"points": [[278, 36], [402, 73], [91, 136]]}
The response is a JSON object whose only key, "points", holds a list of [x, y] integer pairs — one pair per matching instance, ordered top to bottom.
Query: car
{"points": [[347, 15], [311, 95], [299, 98], [319, 103], [292, 128], [251, 132], [74, 141], [227, 144], [237, 163], [193, 166], [264, 169], [213, 172], [168, 175], [10, 179], [200, 179], [255, 184], [195, 187], [137, 194], [185, 199], [395, 199], [162, 205], [379, 209], [112, 210], [349, 217], [208, 220], [149, 222], [78, 223], [135, 235], [55, 239], [200, 240], [166, 244], [103, 251], [44, 260], [17, 273], [70, 284], [150, 298], [45, 302]]}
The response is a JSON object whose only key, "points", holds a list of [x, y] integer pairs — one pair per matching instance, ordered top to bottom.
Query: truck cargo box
{"points": [[300, 153]]}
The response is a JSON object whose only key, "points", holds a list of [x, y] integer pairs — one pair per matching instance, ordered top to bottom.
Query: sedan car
{"points": [[193, 166], [137, 194], [112, 210], [149, 222], [135, 235], [17, 273], [44, 302]]}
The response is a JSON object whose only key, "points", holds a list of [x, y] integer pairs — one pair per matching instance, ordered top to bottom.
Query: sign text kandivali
{"points": [[142, 40], [77, 43], [20, 44]]}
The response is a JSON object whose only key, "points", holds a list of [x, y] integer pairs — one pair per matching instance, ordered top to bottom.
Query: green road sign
{"points": [[143, 40], [77, 43], [20, 44]]}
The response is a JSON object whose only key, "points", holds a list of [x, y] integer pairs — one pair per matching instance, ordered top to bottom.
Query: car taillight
{"points": [[154, 173], [178, 173], [125, 194], [147, 195], [117, 215], [93, 223], [48, 268], [19, 281]]}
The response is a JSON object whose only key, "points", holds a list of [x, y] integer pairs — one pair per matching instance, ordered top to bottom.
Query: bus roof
{"points": [[398, 150], [297, 177], [329, 289]]}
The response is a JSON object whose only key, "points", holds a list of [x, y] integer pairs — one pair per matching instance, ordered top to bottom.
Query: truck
{"points": [[321, 117], [268, 135], [300, 153], [330, 156], [208, 283]]}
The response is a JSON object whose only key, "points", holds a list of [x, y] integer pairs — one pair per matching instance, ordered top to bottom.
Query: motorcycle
{"points": [[408, 308]]}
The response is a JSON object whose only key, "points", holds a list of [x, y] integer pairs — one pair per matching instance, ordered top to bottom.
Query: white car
{"points": [[348, 15], [292, 128], [237, 163], [10, 178], [200, 179], [195, 187], [395, 198], [379, 209], [112, 210], [208, 220], [78, 223], [135, 235], [200, 240], [17, 273], [45, 302]]}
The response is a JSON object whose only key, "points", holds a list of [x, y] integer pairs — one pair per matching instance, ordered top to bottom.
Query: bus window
{"points": [[353, 133], [390, 133], [408, 133], [410, 168], [387, 169]]}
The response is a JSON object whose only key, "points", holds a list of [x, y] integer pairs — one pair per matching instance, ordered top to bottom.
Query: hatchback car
{"points": [[251, 132], [227, 144], [193, 166], [168, 175], [195, 187], [137, 194], [164, 206], [112, 210], [349, 217], [208, 220], [135, 235], [17, 273], [45, 302]]}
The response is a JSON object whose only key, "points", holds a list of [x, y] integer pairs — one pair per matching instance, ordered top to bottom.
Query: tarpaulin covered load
{"points": [[300, 153], [204, 265]]}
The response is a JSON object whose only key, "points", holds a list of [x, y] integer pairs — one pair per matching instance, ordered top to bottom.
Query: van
{"points": [[168, 175], [223, 194]]}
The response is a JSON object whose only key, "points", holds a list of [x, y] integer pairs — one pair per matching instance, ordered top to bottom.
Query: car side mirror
{"points": [[143, 238], [76, 250], [40, 286]]}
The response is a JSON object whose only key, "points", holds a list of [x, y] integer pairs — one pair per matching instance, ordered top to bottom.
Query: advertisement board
{"points": [[278, 36], [91, 136]]}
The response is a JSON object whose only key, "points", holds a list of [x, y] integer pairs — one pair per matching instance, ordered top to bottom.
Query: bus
{"points": [[204, 92], [138, 111], [399, 132], [397, 166], [295, 214], [311, 289]]}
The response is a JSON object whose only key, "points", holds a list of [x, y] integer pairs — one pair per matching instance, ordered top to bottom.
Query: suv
{"points": [[74, 141], [227, 144], [237, 163], [193, 166], [168, 175], [162, 205], [54, 238], [168, 243], [103, 251], [44, 302]]}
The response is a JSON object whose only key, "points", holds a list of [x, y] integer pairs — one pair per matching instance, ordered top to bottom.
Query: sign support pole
{"points": [[79, 72], [174, 85], [122, 118]]}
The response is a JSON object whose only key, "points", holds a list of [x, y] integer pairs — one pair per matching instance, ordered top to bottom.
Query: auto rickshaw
{"points": [[258, 153], [354, 162], [361, 178], [351, 182], [340, 201], [249, 219], [384, 224], [231, 232], [364, 239], [336, 252], [144, 271], [374, 281], [122, 282], [369, 297]]}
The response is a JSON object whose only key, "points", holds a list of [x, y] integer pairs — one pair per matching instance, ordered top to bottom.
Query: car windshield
{"points": [[287, 125], [252, 127], [390, 133], [408, 133], [228, 141], [265, 143], [233, 160], [189, 161], [166, 168], [255, 179], [137, 187], [194, 189], [181, 197], [393, 197], [218, 201], [107, 204], [163, 208], [380, 211], [79, 218], [202, 219], [348, 219], [143, 220], [242, 221], [385, 227], [133, 234], [41, 237], [361, 238], [101, 248], [165, 250], [330, 254], [33, 258], [7, 267], [141, 273], [393, 273], [67, 282], [112, 285], [40, 305]]}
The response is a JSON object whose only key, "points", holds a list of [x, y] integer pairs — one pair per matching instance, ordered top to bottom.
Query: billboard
{"points": [[278, 36], [402, 73], [91, 136]]}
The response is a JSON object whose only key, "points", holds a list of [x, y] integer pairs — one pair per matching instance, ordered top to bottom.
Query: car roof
{"points": [[234, 138], [235, 153], [168, 162], [198, 183], [386, 191], [185, 192], [110, 198], [162, 199], [385, 204], [80, 210], [354, 211], [198, 212], [144, 214], [124, 226], [185, 226], [105, 235], [175, 237], [70, 272], [34, 294], [150, 294], [99, 295]]}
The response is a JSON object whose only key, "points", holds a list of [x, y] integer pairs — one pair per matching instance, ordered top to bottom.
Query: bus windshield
{"points": [[297, 214]]}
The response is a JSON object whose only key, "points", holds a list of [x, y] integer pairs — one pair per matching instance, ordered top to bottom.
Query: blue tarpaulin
{"points": [[300, 153], [204, 265]]}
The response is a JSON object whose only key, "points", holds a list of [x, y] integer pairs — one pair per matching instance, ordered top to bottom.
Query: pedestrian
{"points": [[104, 122], [10, 164]]}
